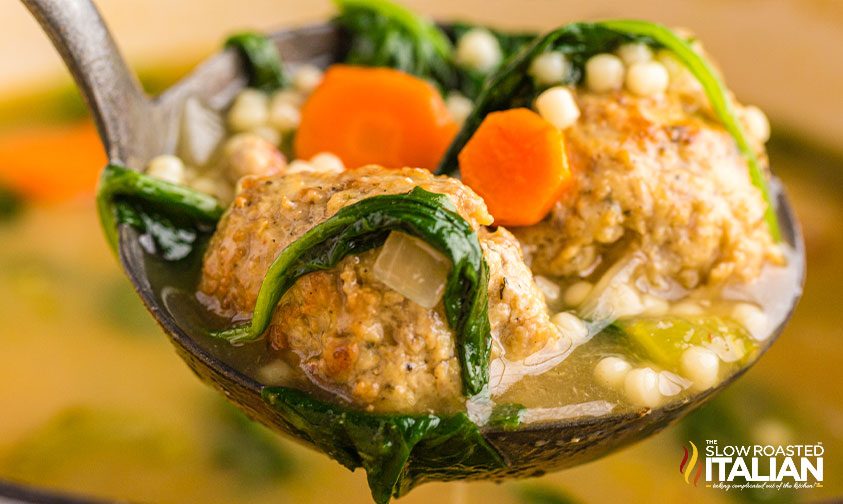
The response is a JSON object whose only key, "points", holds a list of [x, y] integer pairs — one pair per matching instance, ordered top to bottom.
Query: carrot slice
{"points": [[375, 116], [516, 161], [52, 163]]}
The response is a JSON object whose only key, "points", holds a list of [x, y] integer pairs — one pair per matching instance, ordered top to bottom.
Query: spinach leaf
{"points": [[385, 34], [263, 62], [510, 85], [11, 204], [169, 213], [365, 225], [506, 416], [397, 452]]}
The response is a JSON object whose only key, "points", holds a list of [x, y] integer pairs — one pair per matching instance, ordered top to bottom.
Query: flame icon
{"points": [[689, 461]]}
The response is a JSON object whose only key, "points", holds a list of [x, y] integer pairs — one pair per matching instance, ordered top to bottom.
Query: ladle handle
{"points": [[112, 91]]}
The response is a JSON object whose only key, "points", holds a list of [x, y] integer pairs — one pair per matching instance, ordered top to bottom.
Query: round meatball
{"points": [[655, 174], [351, 334]]}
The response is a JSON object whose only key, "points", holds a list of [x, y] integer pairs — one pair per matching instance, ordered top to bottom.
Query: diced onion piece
{"points": [[479, 50], [549, 68], [604, 72], [647, 78], [558, 107], [202, 130], [167, 168], [412, 268], [613, 296], [701, 366], [611, 372], [671, 384], [642, 387]]}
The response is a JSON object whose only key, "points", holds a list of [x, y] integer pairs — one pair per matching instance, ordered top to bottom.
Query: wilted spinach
{"points": [[385, 34], [263, 62], [170, 214], [365, 225], [398, 452]]}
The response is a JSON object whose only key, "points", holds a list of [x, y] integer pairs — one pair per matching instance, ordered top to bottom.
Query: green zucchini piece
{"points": [[263, 62], [365, 225], [663, 339], [398, 452]]}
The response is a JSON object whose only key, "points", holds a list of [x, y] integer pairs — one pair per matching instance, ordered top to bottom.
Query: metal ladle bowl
{"points": [[135, 128]]}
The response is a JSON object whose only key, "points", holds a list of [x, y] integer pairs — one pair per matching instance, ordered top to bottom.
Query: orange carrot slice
{"points": [[375, 116], [516, 161], [52, 163]]}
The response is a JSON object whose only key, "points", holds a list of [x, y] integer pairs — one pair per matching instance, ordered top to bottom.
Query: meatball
{"points": [[658, 175], [351, 334]]}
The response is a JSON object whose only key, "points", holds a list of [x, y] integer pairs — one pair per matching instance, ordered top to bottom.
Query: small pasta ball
{"points": [[478, 50], [634, 52], [549, 68], [604, 72], [306, 78], [647, 78], [290, 96], [459, 106], [558, 107], [250, 110], [284, 115], [756, 123], [271, 135], [248, 154], [325, 162], [167, 168], [213, 187], [577, 292], [752, 318], [572, 326], [701, 366], [611, 372], [641, 387]]}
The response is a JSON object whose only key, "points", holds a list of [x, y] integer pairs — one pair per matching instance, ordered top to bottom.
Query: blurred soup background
{"points": [[94, 401]]}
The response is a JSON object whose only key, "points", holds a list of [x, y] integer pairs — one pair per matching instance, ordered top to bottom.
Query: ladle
{"points": [[134, 128]]}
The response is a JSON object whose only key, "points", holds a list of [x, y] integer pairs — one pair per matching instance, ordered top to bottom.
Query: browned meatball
{"points": [[658, 175], [352, 335]]}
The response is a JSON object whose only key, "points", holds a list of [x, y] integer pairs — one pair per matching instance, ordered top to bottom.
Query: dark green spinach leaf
{"points": [[385, 34], [263, 62], [170, 214], [365, 225], [398, 452]]}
